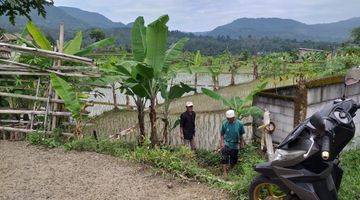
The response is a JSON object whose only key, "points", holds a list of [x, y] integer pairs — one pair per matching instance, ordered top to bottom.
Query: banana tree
{"points": [[215, 67], [150, 70], [170, 95], [72, 101], [242, 106]]}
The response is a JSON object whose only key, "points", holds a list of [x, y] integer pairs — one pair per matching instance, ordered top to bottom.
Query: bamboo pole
{"points": [[60, 48], [48, 53], [71, 68], [24, 73], [24, 96], [43, 99], [48, 103], [34, 107], [36, 112], [4, 128]]}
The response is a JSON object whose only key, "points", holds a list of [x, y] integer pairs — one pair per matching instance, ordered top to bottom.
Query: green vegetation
{"points": [[242, 107], [350, 186]]}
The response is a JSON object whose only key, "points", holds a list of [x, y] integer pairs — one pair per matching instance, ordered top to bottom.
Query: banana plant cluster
{"points": [[149, 72], [242, 106]]}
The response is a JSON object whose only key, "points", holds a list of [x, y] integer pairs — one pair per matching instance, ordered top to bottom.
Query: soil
{"points": [[31, 172]]}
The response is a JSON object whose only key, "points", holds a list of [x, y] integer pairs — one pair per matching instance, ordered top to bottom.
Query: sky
{"points": [[205, 15]]}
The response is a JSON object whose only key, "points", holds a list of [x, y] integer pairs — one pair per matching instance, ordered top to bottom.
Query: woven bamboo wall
{"points": [[207, 127]]}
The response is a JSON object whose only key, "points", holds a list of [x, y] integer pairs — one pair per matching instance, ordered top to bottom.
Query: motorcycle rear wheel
{"points": [[263, 188]]}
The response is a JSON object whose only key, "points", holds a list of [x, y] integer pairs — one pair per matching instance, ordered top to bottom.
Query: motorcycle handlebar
{"points": [[325, 147]]}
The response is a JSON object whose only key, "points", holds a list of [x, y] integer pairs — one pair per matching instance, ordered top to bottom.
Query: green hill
{"points": [[286, 29]]}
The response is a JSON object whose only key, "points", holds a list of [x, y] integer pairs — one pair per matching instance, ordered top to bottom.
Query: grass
{"points": [[203, 166]]}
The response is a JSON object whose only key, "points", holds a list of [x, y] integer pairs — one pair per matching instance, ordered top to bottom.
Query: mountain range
{"points": [[77, 19], [286, 29], [255, 35]]}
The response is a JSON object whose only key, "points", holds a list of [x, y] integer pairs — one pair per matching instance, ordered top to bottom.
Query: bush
{"points": [[38, 138], [350, 186]]}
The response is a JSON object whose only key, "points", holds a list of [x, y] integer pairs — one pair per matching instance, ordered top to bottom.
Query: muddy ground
{"points": [[30, 172]]}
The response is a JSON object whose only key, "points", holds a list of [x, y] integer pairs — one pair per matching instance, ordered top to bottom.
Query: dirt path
{"points": [[29, 172]]}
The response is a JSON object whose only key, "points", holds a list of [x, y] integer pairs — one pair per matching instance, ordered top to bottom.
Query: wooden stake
{"points": [[60, 47], [32, 116]]}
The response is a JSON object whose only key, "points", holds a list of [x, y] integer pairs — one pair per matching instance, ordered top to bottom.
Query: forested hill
{"points": [[286, 29], [253, 35]]}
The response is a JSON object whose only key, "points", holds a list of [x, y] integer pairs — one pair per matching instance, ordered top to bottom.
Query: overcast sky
{"points": [[204, 15]]}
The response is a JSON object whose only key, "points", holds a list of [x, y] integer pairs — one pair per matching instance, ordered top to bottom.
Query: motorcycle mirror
{"points": [[353, 76], [318, 122]]}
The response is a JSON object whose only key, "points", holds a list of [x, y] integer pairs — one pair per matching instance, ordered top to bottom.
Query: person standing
{"points": [[187, 126], [231, 132]]}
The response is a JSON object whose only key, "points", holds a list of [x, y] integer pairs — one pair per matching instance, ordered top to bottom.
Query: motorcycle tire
{"points": [[263, 181]]}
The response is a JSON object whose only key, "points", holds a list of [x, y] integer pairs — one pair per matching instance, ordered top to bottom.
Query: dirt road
{"points": [[30, 172]]}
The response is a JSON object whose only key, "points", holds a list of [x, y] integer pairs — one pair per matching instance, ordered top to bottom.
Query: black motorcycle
{"points": [[306, 163]]}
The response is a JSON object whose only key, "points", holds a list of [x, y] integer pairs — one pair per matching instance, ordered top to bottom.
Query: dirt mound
{"points": [[29, 172]]}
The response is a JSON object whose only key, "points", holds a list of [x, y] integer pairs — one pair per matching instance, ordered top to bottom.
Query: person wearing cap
{"points": [[187, 125], [231, 136]]}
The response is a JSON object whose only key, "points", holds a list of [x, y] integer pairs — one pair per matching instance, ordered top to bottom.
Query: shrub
{"points": [[38, 138], [350, 186]]}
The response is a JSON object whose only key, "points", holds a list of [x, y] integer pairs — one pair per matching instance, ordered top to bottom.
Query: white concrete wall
{"points": [[320, 96], [282, 114]]}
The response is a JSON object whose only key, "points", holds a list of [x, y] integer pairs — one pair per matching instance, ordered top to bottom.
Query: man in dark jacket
{"points": [[187, 126]]}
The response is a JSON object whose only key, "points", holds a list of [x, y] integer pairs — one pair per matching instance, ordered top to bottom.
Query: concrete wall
{"points": [[320, 96], [282, 111], [282, 114]]}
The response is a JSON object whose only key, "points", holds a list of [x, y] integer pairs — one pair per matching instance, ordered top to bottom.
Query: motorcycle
{"points": [[306, 163]]}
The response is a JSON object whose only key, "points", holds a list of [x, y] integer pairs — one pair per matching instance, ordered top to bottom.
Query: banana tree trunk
{"points": [[255, 70], [232, 80], [196, 82], [216, 83], [114, 95], [128, 106], [152, 115], [141, 119], [166, 123], [79, 129]]}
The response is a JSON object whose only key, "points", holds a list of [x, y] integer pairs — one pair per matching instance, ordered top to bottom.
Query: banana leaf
{"points": [[38, 36], [138, 39], [156, 43], [74, 45], [93, 46], [68, 94]]}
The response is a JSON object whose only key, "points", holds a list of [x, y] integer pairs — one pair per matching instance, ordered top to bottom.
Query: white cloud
{"points": [[204, 15]]}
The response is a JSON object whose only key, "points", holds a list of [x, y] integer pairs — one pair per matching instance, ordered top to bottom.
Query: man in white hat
{"points": [[187, 125], [231, 136]]}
